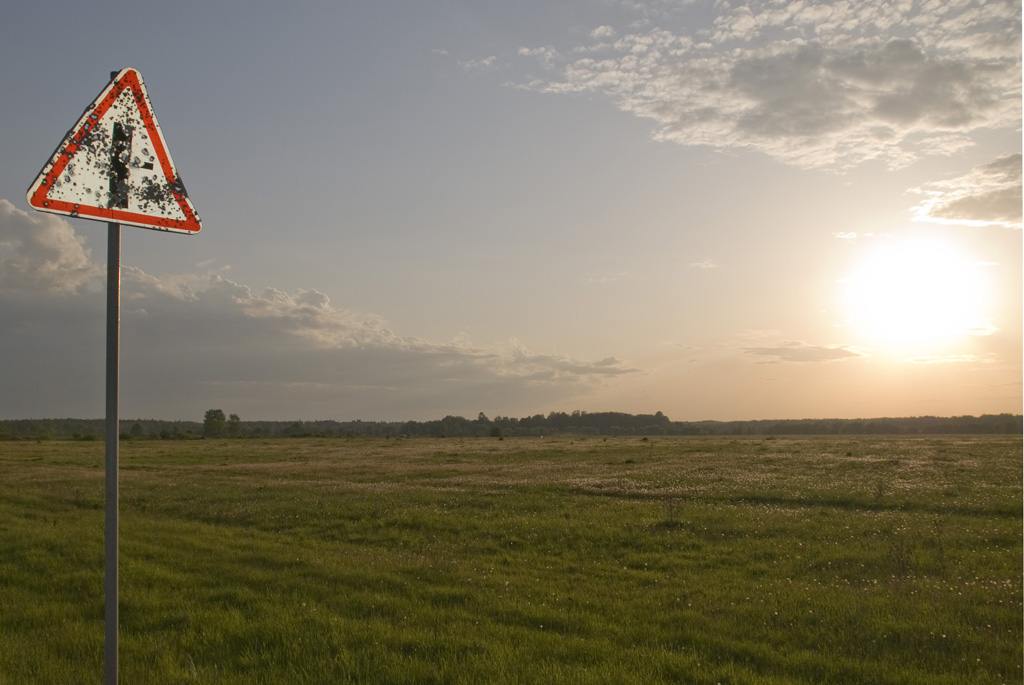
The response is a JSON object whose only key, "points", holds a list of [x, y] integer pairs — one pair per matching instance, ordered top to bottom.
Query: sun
{"points": [[917, 292]]}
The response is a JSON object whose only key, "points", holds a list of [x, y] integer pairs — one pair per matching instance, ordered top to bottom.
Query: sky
{"points": [[714, 209]]}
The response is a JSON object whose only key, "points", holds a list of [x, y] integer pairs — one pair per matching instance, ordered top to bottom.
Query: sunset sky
{"points": [[717, 210]]}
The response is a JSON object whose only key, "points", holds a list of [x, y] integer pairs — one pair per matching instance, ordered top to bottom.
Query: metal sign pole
{"points": [[110, 620]]}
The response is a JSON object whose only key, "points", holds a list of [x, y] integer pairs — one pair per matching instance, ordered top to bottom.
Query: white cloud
{"points": [[545, 55], [484, 64], [828, 84], [990, 195], [42, 252], [705, 265], [610, 278], [190, 343], [797, 351], [946, 359]]}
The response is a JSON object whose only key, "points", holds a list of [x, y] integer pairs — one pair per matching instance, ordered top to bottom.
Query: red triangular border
{"points": [[37, 193]]}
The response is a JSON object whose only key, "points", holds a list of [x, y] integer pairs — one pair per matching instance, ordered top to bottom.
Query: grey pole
{"points": [[118, 198], [110, 616]]}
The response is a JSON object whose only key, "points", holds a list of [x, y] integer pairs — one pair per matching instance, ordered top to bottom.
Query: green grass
{"points": [[818, 560]]}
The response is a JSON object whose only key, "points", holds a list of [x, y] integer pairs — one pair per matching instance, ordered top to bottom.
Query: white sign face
{"points": [[114, 166]]}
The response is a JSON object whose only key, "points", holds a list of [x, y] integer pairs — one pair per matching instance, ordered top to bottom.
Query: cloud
{"points": [[546, 55], [484, 64], [815, 85], [990, 195], [42, 252], [705, 265], [610, 278], [191, 341], [796, 351], [946, 359]]}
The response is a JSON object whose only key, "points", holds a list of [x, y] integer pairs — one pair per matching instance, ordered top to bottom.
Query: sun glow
{"points": [[916, 292]]}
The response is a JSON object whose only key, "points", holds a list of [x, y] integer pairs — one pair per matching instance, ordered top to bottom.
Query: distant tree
{"points": [[214, 423], [234, 426]]}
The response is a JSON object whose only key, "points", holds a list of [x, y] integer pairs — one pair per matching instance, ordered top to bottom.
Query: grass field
{"points": [[618, 560]]}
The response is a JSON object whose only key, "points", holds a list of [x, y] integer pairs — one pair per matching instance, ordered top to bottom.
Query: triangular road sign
{"points": [[114, 165]]}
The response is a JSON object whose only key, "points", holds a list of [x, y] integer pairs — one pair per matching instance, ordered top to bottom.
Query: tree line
{"points": [[217, 424]]}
